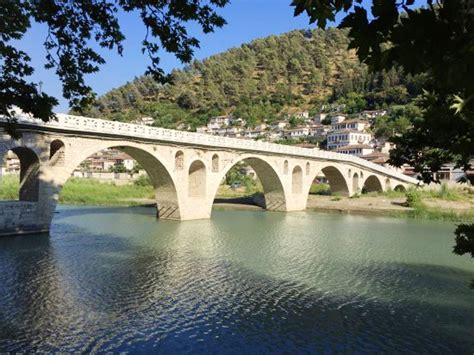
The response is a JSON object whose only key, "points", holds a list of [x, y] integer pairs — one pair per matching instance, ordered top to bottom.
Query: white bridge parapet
{"points": [[64, 122], [185, 168]]}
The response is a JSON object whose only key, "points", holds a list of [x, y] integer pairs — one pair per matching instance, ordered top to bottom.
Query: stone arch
{"points": [[57, 151], [179, 160], [215, 163], [285, 167], [308, 168], [29, 173], [349, 173], [197, 179], [297, 180], [337, 182], [163, 183], [355, 184], [372, 184], [388, 186], [400, 188], [274, 198]]}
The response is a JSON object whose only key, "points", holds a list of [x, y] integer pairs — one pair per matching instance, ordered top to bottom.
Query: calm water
{"points": [[115, 279]]}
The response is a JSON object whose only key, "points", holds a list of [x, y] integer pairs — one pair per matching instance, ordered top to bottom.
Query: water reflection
{"points": [[118, 280]]}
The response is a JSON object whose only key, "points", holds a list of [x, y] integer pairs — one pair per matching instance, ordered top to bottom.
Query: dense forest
{"points": [[265, 79]]}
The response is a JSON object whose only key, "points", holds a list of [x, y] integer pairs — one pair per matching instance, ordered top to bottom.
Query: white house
{"points": [[373, 113], [302, 114], [319, 117], [337, 118], [144, 121], [218, 122], [353, 124], [278, 125], [318, 130], [297, 132], [252, 134], [343, 138], [356, 149]]}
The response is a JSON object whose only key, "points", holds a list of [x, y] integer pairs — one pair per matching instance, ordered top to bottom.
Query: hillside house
{"points": [[344, 138], [358, 150]]}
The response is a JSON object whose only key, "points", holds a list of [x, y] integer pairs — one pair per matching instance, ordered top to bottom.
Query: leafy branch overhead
{"points": [[75, 28], [437, 41]]}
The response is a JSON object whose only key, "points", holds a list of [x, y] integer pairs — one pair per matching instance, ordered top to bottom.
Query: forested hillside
{"points": [[265, 79]]}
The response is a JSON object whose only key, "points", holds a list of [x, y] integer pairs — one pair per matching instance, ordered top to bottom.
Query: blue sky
{"points": [[246, 20]]}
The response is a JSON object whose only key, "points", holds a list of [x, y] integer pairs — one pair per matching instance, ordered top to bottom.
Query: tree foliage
{"points": [[75, 29], [435, 41], [269, 78]]}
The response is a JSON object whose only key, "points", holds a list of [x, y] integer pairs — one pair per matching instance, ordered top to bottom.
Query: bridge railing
{"points": [[87, 125]]}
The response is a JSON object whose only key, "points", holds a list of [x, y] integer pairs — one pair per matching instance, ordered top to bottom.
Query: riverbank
{"points": [[442, 204]]}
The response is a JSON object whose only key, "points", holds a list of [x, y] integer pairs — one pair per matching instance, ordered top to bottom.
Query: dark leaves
{"points": [[73, 29]]}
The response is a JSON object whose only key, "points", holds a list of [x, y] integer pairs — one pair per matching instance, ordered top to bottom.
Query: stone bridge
{"points": [[185, 168]]}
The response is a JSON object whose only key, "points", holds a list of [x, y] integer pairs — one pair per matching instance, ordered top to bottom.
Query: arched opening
{"points": [[57, 153], [179, 160], [215, 163], [285, 167], [308, 168], [349, 174], [20, 175], [121, 175], [197, 179], [297, 180], [251, 181], [336, 181], [328, 184], [355, 184], [372, 184], [388, 186], [400, 188]]}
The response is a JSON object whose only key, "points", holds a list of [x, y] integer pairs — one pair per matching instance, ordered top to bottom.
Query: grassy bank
{"points": [[9, 188], [86, 192], [91, 192], [431, 204], [450, 204]]}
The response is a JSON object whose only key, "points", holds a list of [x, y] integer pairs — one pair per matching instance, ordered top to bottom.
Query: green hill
{"points": [[265, 79]]}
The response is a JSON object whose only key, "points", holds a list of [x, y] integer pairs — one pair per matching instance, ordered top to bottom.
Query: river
{"points": [[116, 279]]}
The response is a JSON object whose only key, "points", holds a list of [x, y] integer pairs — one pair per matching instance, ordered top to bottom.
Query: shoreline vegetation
{"points": [[444, 203]]}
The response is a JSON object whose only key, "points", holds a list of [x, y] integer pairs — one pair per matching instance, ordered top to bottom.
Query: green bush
{"points": [[143, 180], [320, 189], [413, 198]]}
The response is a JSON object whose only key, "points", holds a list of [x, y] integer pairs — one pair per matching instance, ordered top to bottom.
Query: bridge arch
{"points": [[57, 152], [197, 178], [297, 180], [336, 180], [162, 181], [372, 184], [400, 188], [274, 197]]}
